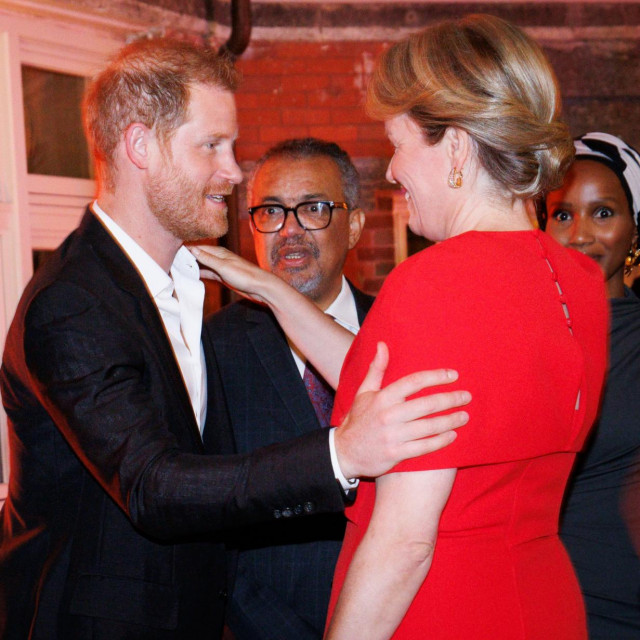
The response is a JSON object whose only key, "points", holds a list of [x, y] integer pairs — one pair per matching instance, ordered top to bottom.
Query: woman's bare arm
{"points": [[315, 334], [394, 556]]}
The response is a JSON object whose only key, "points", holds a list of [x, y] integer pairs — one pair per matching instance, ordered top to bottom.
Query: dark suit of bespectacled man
{"points": [[111, 525], [284, 570]]}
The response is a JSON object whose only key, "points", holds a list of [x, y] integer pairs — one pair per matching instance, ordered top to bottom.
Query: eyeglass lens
{"points": [[310, 215]]}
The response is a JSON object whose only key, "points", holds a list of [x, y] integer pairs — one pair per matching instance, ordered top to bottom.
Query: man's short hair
{"points": [[148, 81], [303, 148]]}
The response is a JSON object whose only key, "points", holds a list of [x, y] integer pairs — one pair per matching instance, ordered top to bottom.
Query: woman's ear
{"points": [[458, 144]]}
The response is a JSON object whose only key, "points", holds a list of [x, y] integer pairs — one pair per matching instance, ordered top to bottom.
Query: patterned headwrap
{"points": [[622, 159]]}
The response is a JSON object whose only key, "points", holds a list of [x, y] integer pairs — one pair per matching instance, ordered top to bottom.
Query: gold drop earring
{"points": [[455, 178], [632, 259]]}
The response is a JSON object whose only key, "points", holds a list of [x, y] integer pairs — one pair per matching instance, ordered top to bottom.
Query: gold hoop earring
{"points": [[455, 178], [632, 259]]}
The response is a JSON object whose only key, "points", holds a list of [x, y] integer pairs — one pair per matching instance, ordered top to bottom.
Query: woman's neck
{"points": [[489, 215], [615, 286]]}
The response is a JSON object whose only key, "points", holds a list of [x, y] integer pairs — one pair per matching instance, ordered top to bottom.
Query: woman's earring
{"points": [[455, 178], [632, 259]]}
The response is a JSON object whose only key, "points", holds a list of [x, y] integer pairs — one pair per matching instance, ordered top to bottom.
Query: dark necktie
{"points": [[320, 394]]}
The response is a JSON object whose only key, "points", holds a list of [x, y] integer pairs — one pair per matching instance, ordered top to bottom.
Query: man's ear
{"points": [[138, 142], [356, 224]]}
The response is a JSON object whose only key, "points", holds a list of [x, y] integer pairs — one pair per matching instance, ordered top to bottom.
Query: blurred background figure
{"points": [[596, 212]]}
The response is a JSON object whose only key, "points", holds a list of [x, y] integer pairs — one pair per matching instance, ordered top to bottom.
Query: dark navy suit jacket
{"points": [[109, 528], [285, 569]]}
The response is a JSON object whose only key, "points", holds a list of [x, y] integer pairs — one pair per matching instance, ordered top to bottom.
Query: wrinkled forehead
{"points": [[297, 178]]}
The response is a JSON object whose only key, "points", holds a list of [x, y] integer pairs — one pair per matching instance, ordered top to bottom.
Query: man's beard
{"points": [[180, 205], [298, 278]]}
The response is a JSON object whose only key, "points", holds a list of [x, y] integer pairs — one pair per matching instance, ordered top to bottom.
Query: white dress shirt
{"points": [[179, 296], [344, 312]]}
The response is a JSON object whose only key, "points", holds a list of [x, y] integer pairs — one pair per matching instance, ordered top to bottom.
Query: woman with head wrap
{"points": [[596, 212]]}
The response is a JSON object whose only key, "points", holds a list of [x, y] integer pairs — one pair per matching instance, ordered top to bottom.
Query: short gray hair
{"points": [[302, 148]]}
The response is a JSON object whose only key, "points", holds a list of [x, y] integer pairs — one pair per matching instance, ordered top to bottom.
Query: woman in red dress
{"points": [[462, 543]]}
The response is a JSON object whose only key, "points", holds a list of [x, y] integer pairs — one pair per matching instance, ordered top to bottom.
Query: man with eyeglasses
{"points": [[304, 219]]}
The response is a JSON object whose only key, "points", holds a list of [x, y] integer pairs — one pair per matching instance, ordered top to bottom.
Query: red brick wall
{"points": [[294, 89], [297, 89]]}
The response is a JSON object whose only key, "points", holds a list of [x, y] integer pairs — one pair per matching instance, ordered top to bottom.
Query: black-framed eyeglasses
{"points": [[311, 216]]}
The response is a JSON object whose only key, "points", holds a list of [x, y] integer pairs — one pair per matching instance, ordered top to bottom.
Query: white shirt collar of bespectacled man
{"points": [[344, 312]]}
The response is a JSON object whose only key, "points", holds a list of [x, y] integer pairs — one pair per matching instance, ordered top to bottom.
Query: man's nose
{"points": [[231, 171], [291, 226]]}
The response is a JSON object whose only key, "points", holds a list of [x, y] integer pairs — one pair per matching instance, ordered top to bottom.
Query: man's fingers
{"points": [[373, 380], [414, 382], [438, 402], [416, 408], [426, 428], [422, 447]]}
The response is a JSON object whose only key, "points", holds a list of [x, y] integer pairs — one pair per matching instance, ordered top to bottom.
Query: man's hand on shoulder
{"points": [[383, 428]]}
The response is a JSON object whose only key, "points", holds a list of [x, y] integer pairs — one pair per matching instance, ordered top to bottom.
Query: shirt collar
{"points": [[154, 276], [343, 308]]}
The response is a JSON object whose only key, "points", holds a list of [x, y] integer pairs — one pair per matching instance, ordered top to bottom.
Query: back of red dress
{"points": [[524, 322]]}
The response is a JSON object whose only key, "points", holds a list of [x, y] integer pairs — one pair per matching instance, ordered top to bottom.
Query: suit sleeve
{"points": [[91, 371]]}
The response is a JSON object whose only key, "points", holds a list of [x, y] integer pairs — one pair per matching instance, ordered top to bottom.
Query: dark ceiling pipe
{"points": [[240, 36]]}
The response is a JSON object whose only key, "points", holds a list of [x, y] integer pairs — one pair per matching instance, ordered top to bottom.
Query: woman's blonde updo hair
{"points": [[487, 77]]}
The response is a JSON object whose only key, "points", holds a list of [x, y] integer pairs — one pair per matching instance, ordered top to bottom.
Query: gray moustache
{"points": [[313, 249]]}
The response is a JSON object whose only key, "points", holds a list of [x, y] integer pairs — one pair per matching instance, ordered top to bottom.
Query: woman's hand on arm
{"points": [[324, 342], [394, 556]]}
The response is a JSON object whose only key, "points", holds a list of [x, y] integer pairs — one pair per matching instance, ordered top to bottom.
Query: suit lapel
{"points": [[126, 277], [363, 302], [272, 349]]}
